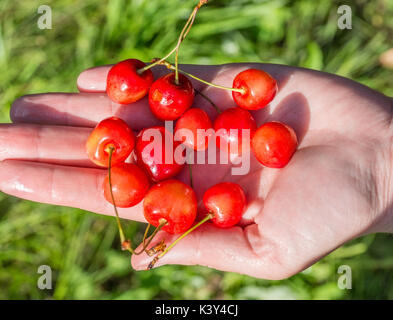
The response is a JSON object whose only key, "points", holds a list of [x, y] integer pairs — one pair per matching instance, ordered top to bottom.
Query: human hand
{"points": [[336, 187]]}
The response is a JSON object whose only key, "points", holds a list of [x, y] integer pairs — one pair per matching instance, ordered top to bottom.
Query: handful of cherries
{"points": [[169, 204]]}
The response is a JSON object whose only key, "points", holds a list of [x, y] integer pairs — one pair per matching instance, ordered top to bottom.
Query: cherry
{"points": [[125, 84], [259, 89], [169, 100], [233, 118], [198, 124], [110, 132], [273, 144], [150, 154], [129, 185], [226, 201], [173, 202]]}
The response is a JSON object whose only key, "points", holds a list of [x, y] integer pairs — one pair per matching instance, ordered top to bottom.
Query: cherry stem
{"points": [[186, 29], [183, 34], [179, 41], [171, 67], [208, 99], [208, 217], [145, 234], [126, 244], [145, 244], [159, 247]]}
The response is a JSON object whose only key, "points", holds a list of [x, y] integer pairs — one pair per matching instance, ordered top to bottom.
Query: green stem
{"points": [[186, 29], [183, 35], [179, 41], [171, 67], [140, 71], [240, 90], [208, 217], [145, 234], [123, 240], [126, 244], [145, 245]]}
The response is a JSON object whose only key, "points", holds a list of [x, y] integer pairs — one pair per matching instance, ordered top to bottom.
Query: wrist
{"points": [[384, 221]]}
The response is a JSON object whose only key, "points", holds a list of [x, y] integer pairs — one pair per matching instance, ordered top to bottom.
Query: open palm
{"points": [[336, 187]]}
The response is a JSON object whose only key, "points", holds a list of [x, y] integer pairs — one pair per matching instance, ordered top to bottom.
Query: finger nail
{"points": [[93, 80]]}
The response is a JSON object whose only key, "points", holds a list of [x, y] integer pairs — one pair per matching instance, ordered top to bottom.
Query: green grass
{"points": [[81, 247]]}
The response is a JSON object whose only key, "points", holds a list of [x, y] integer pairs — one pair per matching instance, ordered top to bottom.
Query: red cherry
{"points": [[124, 84], [259, 89], [168, 100], [233, 118], [198, 123], [110, 132], [274, 144], [150, 154], [129, 185], [173, 201], [226, 201]]}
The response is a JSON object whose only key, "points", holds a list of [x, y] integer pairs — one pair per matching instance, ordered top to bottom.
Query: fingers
{"points": [[79, 109], [86, 109], [50, 144], [60, 185], [223, 249]]}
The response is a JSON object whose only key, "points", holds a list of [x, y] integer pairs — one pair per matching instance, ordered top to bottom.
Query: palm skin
{"points": [[336, 187]]}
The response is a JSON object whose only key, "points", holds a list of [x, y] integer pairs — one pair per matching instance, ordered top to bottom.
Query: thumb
{"points": [[223, 249]]}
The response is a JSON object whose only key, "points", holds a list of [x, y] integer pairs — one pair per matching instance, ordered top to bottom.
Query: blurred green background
{"points": [[82, 247]]}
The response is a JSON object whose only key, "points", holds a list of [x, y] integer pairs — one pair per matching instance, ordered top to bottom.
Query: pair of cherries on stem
{"points": [[128, 82], [109, 145], [175, 203], [224, 203]]}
